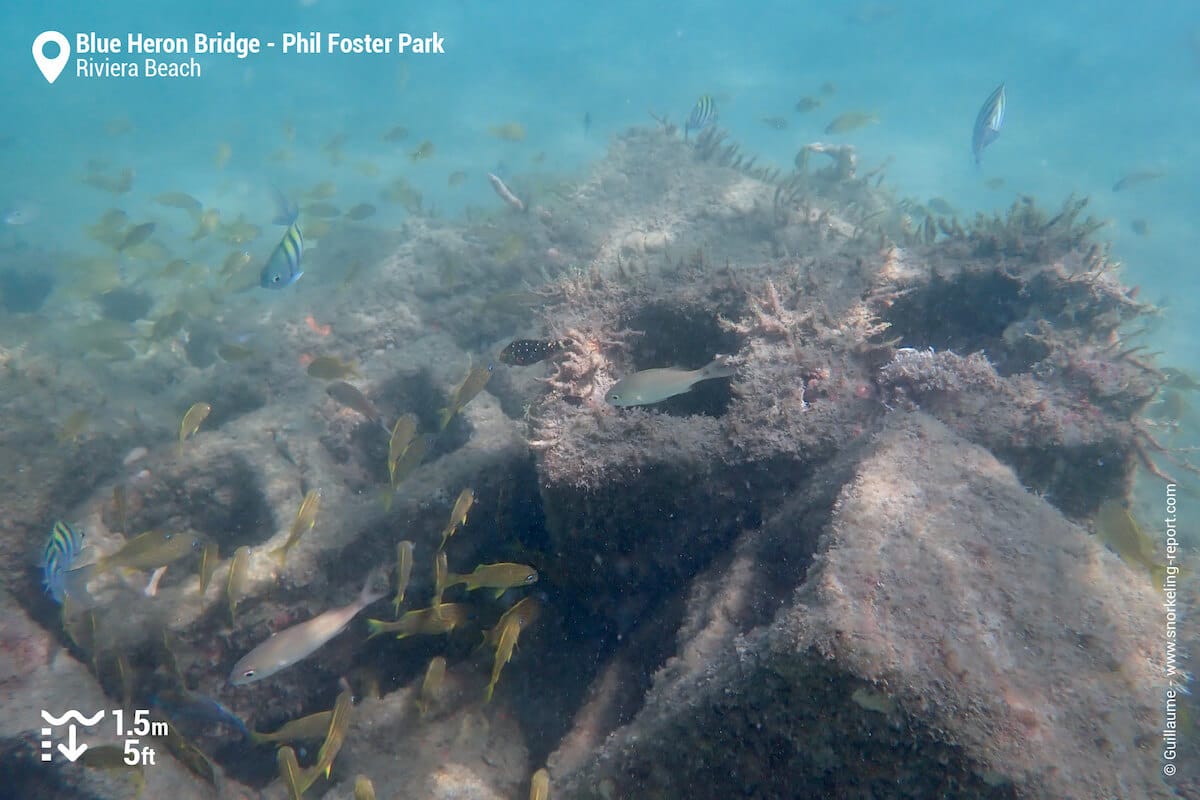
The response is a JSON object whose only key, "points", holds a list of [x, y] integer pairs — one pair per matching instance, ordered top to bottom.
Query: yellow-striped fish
{"points": [[192, 420], [458, 515], [404, 565]]}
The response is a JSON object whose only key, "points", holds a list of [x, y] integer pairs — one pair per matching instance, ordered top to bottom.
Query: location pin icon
{"points": [[51, 67]]}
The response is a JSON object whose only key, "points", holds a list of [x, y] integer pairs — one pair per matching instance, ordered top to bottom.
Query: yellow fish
{"points": [[850, 121], [509, 131], [330, 368], [471, 386], [192, 420], [402, 434], [458, 515], [306, 518], [1116, 527], [209, 559], [404, 565], [441, 570], [500, 577], [235, 584], [424, 621], [504, 650], [435, 673], [338, 725], [313, 726], [539, 785], [363, 788]]}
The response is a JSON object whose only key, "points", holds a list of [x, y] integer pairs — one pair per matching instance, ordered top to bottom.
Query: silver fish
{"points": [[988, 122], [655, 385], [300, 641]]}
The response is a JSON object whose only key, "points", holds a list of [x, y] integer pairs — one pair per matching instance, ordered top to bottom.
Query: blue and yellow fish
{"points": [[703, 114], [988, 122], [283, 268], [62, 548]]}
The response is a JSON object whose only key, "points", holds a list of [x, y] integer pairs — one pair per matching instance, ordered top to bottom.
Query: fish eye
{"points": [[275, 279], [614, 396], [531, 577], [250, 673]]}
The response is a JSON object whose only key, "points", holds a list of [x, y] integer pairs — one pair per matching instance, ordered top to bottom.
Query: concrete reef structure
{"points": [[858, 568]]}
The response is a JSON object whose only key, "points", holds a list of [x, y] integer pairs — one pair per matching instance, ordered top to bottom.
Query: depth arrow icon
{"points": [[71, 750]]}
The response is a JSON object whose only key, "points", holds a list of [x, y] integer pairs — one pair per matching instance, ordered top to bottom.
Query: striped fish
{"points": [[703, 113], [988, 122], [283, 268], [62, 548]]}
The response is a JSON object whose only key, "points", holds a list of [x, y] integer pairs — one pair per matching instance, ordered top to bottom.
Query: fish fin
{"points": [[286, 211], [719, 367], [444, 417], [280, 554], [75, 585], [500, 592], [370, 593], [374, 627], [487, 695]]}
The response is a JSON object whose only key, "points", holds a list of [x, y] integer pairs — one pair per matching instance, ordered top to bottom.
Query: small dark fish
{"points": [[806, 104], [703, 114], [587, 121], [988, 122], [775, 123], [1137, 178], [360, 212], [1141, 227], [135, 236], [523, 352], [62, 548], [199, 708]]}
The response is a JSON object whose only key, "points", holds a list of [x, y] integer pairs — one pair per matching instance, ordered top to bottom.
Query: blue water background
{"points": [[1095, 89]]}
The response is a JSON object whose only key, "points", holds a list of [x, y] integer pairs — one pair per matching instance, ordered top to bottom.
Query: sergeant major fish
{"points": [[703, 114], [988, 122], [283, 268], [62, 548], [298, 642]]}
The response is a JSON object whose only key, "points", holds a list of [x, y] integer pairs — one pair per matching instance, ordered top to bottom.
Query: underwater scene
{"points": [[500, 401]]}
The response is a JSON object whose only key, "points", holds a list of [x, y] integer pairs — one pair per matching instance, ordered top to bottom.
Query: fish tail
{"points": [[286, 211], [719, 367], [280, 554], [1158, 574], [74, 585], [369, 593], [374, 627], [487, 695]]}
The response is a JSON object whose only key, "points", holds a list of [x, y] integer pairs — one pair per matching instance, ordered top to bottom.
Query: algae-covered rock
{"points": [[916, 658]]}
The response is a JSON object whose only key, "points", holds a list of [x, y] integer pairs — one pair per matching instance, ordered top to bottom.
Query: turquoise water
{"points": [[1096, 90]]}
